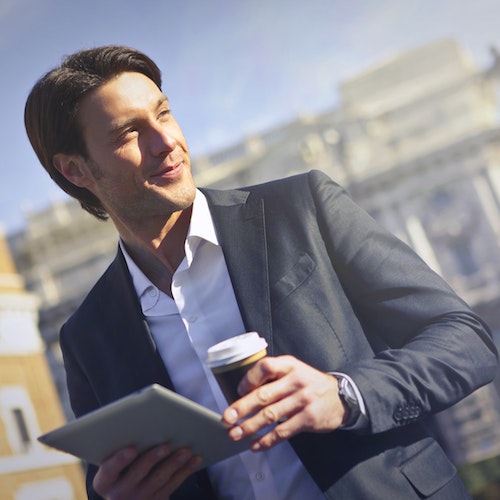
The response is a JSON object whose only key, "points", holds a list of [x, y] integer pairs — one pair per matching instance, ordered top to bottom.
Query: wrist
{"points": [[349, 400]]}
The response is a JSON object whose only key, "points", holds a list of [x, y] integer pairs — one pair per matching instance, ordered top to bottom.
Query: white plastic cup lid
{"points": [[234, 349]]}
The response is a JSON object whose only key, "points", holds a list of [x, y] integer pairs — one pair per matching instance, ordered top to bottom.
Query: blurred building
{"points": [[415, 140], [61, 253], [29, 404]]}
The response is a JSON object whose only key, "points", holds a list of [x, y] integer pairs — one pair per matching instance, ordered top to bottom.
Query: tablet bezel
{"points": [[144, 419]]}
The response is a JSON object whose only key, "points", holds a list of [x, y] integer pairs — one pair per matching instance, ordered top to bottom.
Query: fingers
{"points": [[264, 371], [294, 398], [281, 421], [111, 469], [156, 473], [168, 475]]}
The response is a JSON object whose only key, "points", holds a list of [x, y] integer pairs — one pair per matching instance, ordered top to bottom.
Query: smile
{"points": [[169, 172]]}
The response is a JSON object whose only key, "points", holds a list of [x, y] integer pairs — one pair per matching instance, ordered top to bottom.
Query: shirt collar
{"points": [[201, 224], [201, 227]]}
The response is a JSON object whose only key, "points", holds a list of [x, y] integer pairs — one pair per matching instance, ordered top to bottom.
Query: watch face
{"points": [[346, 391]]}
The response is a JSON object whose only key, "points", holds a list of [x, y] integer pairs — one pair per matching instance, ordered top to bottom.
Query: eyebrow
{"points": [[118, 127]]}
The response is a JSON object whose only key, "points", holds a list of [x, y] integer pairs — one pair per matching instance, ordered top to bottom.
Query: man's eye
{"points": [[164, 113], [126, 133]]}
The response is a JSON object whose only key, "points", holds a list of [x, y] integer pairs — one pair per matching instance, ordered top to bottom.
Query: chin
{"points": [[182, 198]]}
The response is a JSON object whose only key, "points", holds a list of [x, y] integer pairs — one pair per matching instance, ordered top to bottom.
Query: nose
{"points": [[162, 141]]}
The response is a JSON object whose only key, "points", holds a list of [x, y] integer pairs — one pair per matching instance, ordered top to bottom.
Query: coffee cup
{"points": [[230, 360]]}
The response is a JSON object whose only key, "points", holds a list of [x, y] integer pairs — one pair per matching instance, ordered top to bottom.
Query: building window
{"points": [[19, 419], [22, 428], [50, 489]]}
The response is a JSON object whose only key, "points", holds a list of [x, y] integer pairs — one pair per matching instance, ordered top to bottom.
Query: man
{"points": [[364, 340]]}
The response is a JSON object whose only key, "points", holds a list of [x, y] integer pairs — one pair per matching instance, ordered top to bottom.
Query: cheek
{"points": [[127, 153], [123, 160]]}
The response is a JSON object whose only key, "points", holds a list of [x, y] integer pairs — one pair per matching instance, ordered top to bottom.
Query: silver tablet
{"points": [[146, 418]]}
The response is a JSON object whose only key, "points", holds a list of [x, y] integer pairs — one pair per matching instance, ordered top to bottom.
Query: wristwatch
{"points": [[350, 401]]}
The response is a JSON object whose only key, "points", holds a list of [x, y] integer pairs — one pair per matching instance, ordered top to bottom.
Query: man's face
{"points": [[138, 163]]}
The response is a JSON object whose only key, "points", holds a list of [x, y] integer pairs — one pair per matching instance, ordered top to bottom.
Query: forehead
{"points": [[121, 98]]}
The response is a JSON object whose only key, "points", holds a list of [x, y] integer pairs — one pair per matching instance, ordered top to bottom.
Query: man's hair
{"points": [[51, 112]]}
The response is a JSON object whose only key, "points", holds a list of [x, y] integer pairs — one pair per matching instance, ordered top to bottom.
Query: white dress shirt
{"points": [[204, 311]]}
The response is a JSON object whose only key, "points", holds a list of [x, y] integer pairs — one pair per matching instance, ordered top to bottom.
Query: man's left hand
{"points": [[284, 391]]}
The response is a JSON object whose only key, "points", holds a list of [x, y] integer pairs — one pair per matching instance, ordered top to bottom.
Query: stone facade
{"points": [[29, 403]]}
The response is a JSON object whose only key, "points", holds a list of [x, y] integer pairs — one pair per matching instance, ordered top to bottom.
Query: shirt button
{"points": [[153, 292], [192, 319], [259, 476]]}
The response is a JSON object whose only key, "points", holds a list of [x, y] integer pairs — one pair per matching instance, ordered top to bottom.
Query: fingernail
{"points": [[231, 416], [236, 433], [255, 447], [162, 452], [128, 454], [183, 457]]}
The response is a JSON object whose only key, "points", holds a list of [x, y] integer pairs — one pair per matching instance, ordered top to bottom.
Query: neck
{"points": [[158, 253]]}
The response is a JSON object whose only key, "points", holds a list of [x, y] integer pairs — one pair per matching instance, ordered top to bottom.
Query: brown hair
{"points": [[51, 112]]}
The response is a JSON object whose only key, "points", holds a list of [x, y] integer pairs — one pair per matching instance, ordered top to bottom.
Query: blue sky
{"points": [[230, 68]]}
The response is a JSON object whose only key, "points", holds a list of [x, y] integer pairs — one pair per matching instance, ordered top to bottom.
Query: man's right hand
{"points": [[154, 474]]}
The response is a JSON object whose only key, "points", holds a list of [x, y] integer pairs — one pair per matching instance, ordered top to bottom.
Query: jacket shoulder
{"points": [[312, 179], [308, 181], [98, 297]]}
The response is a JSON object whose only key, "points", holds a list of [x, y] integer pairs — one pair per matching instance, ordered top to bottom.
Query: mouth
{"points": [[168, 172]]}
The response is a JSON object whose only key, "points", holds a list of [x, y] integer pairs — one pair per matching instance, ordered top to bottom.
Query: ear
{"points": [[73, 168]]}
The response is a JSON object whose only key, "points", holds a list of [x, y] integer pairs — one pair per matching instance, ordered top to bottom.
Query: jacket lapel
{"points": [[239, 223], [142, 360]]}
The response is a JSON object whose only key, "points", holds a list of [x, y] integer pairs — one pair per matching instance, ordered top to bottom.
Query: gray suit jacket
{"points": [[319, 279]]}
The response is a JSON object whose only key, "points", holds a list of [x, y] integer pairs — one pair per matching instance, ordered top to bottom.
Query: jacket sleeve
{"points": [[436, 350]]}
